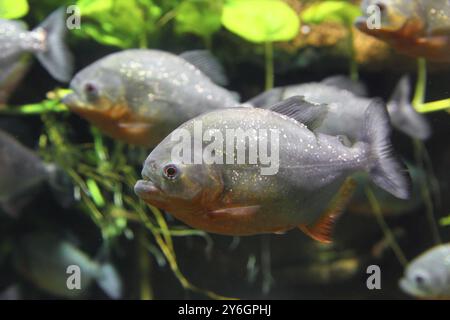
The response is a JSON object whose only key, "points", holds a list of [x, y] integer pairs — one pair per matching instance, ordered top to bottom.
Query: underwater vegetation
{"points": [[325, 149]]}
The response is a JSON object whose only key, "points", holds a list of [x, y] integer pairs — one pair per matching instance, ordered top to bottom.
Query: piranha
{"points": [[418, 28], [46, 42], [140, 96], [346, 103], [21, 173], [229, 196], [44, 259], [428, 275]]}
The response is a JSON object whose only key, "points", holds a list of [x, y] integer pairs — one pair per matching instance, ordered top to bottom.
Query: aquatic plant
{"points": [[13, 9], [341, 12], [199, 17], [108, 21], [263, 21]]}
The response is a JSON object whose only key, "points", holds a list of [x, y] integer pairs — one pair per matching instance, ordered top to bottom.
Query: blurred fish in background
{"points": [[46, 42], [140, 96], [346, 103], [22, 172], [44, 258], [428, 275]]}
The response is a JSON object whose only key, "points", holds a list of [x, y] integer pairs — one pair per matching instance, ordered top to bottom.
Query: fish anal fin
{"points": [[322, 229]]}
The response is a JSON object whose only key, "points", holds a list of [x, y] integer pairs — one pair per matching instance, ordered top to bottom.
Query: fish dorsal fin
{"points": [[208, 64], [345, 83], [311, 115], [322, 230]]}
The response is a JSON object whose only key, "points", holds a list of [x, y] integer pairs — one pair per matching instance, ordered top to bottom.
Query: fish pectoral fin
{"points": [[208, 64], [311, 115], [236, 212], [323, 229]]}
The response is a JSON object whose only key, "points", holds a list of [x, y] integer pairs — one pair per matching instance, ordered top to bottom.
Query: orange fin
{"points": [[322, 230]]}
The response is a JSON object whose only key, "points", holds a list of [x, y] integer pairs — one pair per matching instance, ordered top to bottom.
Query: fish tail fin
{"points": [[56, 59], [403, 115], [386, 170], [109, 280]]}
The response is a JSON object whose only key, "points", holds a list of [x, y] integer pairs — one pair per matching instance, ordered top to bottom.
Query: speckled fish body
{"points": [[419, 28], [46, 42], [140, 96], [346, 110], [20, 168], [236, 199], [44, 259], [428, 275]]}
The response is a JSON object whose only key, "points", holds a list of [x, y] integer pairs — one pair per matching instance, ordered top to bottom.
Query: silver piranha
{"points": [[46, 42], [140, 96], [346, 106], [21, 172], [308, 189], [44, 258], [428, 275]]}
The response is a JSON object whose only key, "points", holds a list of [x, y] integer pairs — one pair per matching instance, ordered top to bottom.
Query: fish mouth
{"points": [[72, 101], [146, 190], [408, 288]]}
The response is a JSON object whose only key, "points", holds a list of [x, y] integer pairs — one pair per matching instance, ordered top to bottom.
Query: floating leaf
{"points": [[13, 9], [342, 12], [200, 17], [261, 20], [121, 23]]}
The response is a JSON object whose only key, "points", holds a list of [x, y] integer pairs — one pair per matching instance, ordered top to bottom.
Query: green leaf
{"points": [[13, 9], [331, 11], [200, 17], [261, 20], [121, 23], [95, 192], [445, 221]]}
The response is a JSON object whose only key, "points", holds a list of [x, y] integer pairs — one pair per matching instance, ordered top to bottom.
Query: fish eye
{"points": [[91, 90], [170, 171], [420, 279]]}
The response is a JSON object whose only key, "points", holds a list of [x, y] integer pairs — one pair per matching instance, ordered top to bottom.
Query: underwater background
{"points": [[102, 223]]}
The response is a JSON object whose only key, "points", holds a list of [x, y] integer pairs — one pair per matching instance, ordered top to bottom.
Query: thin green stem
{"points": [[268, 49], [354, 72], [421, 84], [433, 106], [419, 152], [385, 228], [145, 290]]}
